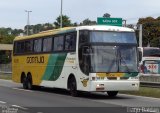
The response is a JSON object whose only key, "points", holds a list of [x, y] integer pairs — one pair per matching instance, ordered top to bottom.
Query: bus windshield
{"points": [[113, 37], [101, 51], [151, 52], [113, 59]]}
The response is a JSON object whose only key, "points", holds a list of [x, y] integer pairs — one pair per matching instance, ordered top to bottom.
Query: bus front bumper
{"points": [[114, 85]]}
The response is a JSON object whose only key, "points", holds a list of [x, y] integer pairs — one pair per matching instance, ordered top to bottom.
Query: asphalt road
{"points": [[45, 100]]}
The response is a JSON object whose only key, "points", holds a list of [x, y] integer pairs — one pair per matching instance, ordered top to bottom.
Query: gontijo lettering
{"points": [[36, 59]]}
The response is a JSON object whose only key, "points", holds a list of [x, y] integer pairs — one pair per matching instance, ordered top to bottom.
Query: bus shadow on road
{"points": [[85, 95]]}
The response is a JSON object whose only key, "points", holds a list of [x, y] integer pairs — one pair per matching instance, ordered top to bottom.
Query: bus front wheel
{"points": [[73, 87], [112, 93]]}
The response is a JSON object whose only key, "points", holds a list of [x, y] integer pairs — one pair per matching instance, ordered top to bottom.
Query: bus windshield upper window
{"points": [[83, 36], [113, 37]]}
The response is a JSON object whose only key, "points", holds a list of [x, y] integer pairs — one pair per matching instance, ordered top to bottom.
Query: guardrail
{"points": [[6, 68], [150, 81]]}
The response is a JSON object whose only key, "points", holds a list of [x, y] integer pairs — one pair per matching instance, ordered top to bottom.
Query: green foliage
{"points": [[107, 15], [158, 18], [66, 22], [88, 22], [33, 29], [151, 31], [16, 32], [7, 35], [8, 39], [4, 59], [145, 91]]}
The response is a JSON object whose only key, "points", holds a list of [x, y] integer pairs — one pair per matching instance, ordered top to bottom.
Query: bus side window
{"points": [[70, 42], [58, 43], [47, 44], [37, 45], [17, 46], [28, 46], [22, 47]]}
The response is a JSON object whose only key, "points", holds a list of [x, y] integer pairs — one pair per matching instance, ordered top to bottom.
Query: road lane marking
{"points": [[6, 80], [22, 89], [2, 102], [19, 107]]}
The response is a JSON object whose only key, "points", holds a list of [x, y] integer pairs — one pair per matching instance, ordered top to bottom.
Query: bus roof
{"points": [[105, 28], [71, 29], [46, 33]]}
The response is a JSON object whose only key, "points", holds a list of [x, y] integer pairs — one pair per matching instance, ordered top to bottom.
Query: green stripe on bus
{"points": [[50, 66], [54, 67], [131, 74]]}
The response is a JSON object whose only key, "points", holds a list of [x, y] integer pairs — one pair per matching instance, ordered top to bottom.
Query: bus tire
{"points": [[24, 82], [29, 82], [73, 87], [112, 93]]}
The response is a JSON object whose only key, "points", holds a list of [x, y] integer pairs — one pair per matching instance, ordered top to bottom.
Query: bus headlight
{"points": [[93, 78], [100, 85]]}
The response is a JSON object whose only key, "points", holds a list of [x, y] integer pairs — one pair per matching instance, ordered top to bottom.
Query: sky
{"points": [[12, 12]]}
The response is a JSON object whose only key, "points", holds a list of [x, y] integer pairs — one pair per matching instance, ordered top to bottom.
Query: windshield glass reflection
{"points": [[113, 59]]}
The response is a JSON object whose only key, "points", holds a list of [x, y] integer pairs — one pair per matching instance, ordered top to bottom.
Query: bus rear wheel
{"points": [[24, 83], [29, 84], [73, 87], [112, 93]]}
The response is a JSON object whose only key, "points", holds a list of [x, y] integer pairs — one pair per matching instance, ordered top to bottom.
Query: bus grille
{"points": [[112, 78], [117, 78], [124, 78]]}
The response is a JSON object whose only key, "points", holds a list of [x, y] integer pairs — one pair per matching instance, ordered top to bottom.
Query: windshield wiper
{"points": [[121, 59], [117, 60], [124, 64]]}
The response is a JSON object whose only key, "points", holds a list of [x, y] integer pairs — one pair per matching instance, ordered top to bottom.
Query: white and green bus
{"points": [[86, 58], [149, 60]]}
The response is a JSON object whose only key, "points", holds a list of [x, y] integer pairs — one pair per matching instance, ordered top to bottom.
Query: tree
{"points": [[106, 15], [158, 18], [66, 22], [88, 22], [75, 24], [48, 26], [29, 28], [37, 28], [33, 29], [151, 31], [16, 32], [7, 35], [8, 39]]}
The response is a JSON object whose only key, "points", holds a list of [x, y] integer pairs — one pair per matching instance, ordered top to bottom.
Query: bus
{"points": [[86, 58], [149, 60]]}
